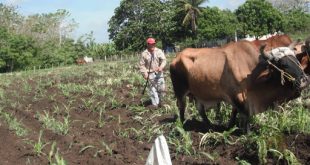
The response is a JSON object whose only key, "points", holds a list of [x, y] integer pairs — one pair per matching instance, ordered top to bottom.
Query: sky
{"points": [[91, 15]]}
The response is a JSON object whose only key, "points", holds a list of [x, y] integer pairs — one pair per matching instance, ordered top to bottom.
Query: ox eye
{"points": [[283, 62]]}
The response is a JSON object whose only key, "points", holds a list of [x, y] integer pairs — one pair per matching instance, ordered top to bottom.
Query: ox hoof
{"points": [[307, 104], [153, 107]]}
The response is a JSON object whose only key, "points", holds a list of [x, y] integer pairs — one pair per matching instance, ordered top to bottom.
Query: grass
{"points": [[89, 102], [114, 102], [293, 118], [101, 121], [13, 123], [51, 123], [213, 138], [181, 140], [266, 142], [39, 145], [107, 148], [55, 158]]}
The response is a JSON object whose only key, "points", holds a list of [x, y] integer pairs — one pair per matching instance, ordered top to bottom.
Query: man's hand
{"points": [[158, 69], [145, 75]]}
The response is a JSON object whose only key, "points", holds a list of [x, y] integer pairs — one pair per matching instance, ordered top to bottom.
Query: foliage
{"points": [[288, 5], [191, 9], [9, 17], [134, 17], [258, 17], [136, 20], [297, 21], [216, 23], [170, 25], [49, 26], [39, 40], [44, 40], [104, 50], [16, 51], [50, 54], [13, 123], [51, 123], [216, 137], [181, 139], [267, 143], [39, 145], [58, 159]]}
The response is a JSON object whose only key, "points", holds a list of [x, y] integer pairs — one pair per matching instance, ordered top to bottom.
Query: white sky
{"points": [[92, 15]]}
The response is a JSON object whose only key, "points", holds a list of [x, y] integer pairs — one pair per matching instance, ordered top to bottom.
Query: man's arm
{"points": [[163, 59], [143, 70]]}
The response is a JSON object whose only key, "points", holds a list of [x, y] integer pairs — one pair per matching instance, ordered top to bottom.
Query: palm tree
{"points": [[192, 9]]}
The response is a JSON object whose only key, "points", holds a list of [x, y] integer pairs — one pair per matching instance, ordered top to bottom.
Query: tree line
{"points": [[186, 22], [43, 40], [46, 40]]}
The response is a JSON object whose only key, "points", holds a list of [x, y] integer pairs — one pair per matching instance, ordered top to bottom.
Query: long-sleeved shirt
{"points": [[158, 60]]}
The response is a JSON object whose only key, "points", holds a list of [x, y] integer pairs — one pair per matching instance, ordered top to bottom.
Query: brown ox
{"points": [[274, 42], [269, 43], [304, 56], [80, 61], [235, 73]]}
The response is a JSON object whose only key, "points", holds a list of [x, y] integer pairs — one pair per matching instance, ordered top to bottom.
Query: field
{"points": [[95, 114]]}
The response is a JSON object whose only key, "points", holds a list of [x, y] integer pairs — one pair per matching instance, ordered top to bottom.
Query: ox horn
{"points": [[262, 52]]}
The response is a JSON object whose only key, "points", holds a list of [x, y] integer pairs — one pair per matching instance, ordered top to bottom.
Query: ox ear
{"points": [[293, 44], [261, 73], [264, 76]]}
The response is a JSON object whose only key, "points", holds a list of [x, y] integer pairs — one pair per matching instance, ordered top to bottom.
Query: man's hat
{"points": [[150, 41]]}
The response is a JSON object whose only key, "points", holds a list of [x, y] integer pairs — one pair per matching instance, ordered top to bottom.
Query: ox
{"points": [[271, 42], [274, 42], [304, 56], [88, 59], [84, 60], [80, 61], [237, 74]]}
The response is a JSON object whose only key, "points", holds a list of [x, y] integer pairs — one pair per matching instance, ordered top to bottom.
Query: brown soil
{"points": [[83, 143]]}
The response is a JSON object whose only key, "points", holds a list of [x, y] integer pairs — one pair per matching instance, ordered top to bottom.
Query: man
{"points": [[151, 65]]}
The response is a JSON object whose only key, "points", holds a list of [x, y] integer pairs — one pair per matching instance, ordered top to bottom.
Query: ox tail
{"points": [[179, 81], [180, 86]]}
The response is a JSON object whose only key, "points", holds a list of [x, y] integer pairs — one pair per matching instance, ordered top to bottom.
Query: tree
{"points": [[287, 5], [192, 9], [296, 14], [258, 17], [9, 18], [135, 20], [297, 21], [216, 23], [49, 26], [41, 40], [16, 51]]}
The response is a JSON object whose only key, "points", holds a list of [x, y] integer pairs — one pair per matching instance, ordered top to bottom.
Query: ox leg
{"points": [[181, 103], [238, 106], [201, 109], [218, 110], [233, 117], [245, 123]]}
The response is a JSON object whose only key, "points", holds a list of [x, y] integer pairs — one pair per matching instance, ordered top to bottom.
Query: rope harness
{"points": [[280, 53], [283, 73]]}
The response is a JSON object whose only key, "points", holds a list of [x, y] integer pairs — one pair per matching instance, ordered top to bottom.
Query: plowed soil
{"points": [[86, 141]]}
